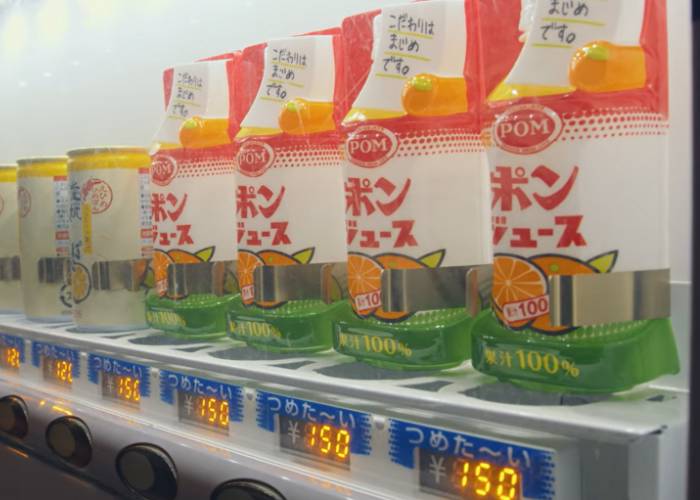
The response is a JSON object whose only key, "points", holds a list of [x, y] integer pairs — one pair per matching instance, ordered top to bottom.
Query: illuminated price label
{"points": [[11, 352], [10, 358], [58, 364], [57, 370], [121, 381], [123, 388], [206, 403], [210, 412], [316, 430], [317, 440], [470, 466], [466, 478]]}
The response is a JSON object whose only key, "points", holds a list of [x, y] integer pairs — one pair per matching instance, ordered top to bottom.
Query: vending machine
{"points": [[433, 249]]}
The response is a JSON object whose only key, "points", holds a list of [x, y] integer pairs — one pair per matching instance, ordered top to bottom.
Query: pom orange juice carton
{"points": [[576, 132], [416, 184], [289, 193], [193, 202], [44, 241], [111, 244], [10, 284]]}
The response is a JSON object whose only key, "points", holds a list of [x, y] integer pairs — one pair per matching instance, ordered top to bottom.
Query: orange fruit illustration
{"points": [[603, 67], [430, 95], [300, 117], [197, 132], [183, 257], [275, 258], [161, 261], [394, 261], [247, 262], [554, 265], [364, 277], [515, 279], [364, 280], [80, 282]]}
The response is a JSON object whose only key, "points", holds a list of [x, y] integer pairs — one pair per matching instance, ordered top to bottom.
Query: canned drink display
{"points": [[42, 206], [110, 236], [10, 285]]}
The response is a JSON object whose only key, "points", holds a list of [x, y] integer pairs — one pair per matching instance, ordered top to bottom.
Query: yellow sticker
{"points": [[86, 214]]}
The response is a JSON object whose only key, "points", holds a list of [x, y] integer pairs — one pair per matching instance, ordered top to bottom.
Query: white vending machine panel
{"points": [[155, 416]]}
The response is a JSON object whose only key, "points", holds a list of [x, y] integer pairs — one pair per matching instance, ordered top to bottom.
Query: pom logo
{"points": [[527, 129], [371, 146], [254, 158], [163, 169]]}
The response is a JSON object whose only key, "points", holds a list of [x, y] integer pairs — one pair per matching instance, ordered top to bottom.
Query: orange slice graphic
{"points": [[183, 257], [274, 258], [161, 261], [394, 261], [247, 262], [554, 265], [515, 279], [364, 282], [80, 283]]}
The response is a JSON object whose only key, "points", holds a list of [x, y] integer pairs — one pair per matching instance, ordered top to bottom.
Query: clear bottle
{"points": [[576, 129], [415, 177], [193, 189], [289, 198]]}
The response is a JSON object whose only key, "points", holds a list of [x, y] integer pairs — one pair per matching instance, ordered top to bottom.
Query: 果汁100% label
{"points": [[373, 344], [533, 361]]}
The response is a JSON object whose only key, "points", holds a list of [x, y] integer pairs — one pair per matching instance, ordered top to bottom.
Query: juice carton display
{"points": [[576, 134], [416, 182], [290, 196], [193, 202], [110, 236], [44, 241], [10, 284]]}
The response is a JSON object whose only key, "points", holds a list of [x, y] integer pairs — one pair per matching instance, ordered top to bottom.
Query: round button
{"points": [[13, 416], [69, 438], [148, 471], [246, 489]]}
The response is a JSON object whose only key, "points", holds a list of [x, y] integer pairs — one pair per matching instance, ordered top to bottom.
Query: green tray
{"points": [[429, 340], [596, 359]]}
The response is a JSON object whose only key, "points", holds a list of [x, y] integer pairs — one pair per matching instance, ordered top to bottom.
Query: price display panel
{"points": [[11, 352], [9, 358], [59, 365], [58, 371], [120, 381], [125, 389], [207, 404], [205, 411], [319, 441], [460, 465], [468, 478]]}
